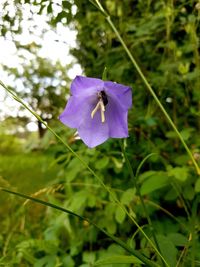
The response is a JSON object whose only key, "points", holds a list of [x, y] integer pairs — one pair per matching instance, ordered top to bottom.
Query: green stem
{"points": [[107, 17], [84, 164], [134, 179], [193, 231], [114, 238], [183, 253]]}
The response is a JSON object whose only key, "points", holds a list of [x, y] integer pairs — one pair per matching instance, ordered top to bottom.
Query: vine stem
{"points": [[148, 86], [114, 198]]}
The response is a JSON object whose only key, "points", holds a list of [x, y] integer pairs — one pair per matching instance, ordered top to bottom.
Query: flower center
{"points": [[102, 102]]}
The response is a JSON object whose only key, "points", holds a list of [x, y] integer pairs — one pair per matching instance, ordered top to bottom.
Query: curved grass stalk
{"points": [[98, 5], [134, 179], [114, 198], [166, 212], [114, 238]]}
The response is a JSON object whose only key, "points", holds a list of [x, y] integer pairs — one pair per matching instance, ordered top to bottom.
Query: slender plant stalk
{"points": [[148, 86], [134, 179], [114, 198], [183, 202], [167, 212], [193, 231], [117, 240], [183, 253]]}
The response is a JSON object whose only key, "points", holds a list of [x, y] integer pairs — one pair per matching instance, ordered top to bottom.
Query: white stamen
{"points": [[100, 106], [95, 110]]}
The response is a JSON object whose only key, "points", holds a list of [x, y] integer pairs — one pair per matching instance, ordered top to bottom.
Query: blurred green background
{"points": [[163, 36]]}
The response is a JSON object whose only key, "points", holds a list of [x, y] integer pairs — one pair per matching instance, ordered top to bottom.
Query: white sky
{"points": [[55, 46]]}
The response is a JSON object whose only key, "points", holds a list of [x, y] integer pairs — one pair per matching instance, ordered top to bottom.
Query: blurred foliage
{"points": [[164, 38]]}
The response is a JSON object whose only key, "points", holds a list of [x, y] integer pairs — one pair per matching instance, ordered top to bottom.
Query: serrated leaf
{"points": [[117, 260]]}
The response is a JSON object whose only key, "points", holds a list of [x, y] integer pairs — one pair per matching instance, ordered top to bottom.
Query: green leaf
{"points": [[171, 134], [186, 134], [102, 163], [118, 163], [73, 169], [180, 173], [145, 175], [154, 182], [197, 185], [188, 192], [172, 194], [127, 196], [78, 200], [91, 200], [120, 215], [111, 226], [178, 239], [168, 249], [89, 257], [116, 259], [48, 261], [68, 261]]}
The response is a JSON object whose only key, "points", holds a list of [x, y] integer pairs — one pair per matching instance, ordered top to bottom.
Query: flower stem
{"points": [[148, 86], [134, 179], [114, 198]]}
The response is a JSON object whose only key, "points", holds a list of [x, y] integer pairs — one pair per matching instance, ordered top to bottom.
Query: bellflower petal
{"points": [[85, 86], [120, 93], [76, 110], [98, 110], [117, 120], [94, 132]]}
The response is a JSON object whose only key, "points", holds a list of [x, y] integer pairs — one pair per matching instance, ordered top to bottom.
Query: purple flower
{"points": [[97, 109]]}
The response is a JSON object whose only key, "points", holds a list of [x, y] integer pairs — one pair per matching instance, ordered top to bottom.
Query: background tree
{"points": [[41, 82], [43, 85]]}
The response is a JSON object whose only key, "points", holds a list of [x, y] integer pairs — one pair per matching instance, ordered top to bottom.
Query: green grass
{"points": [[27, 171]]}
